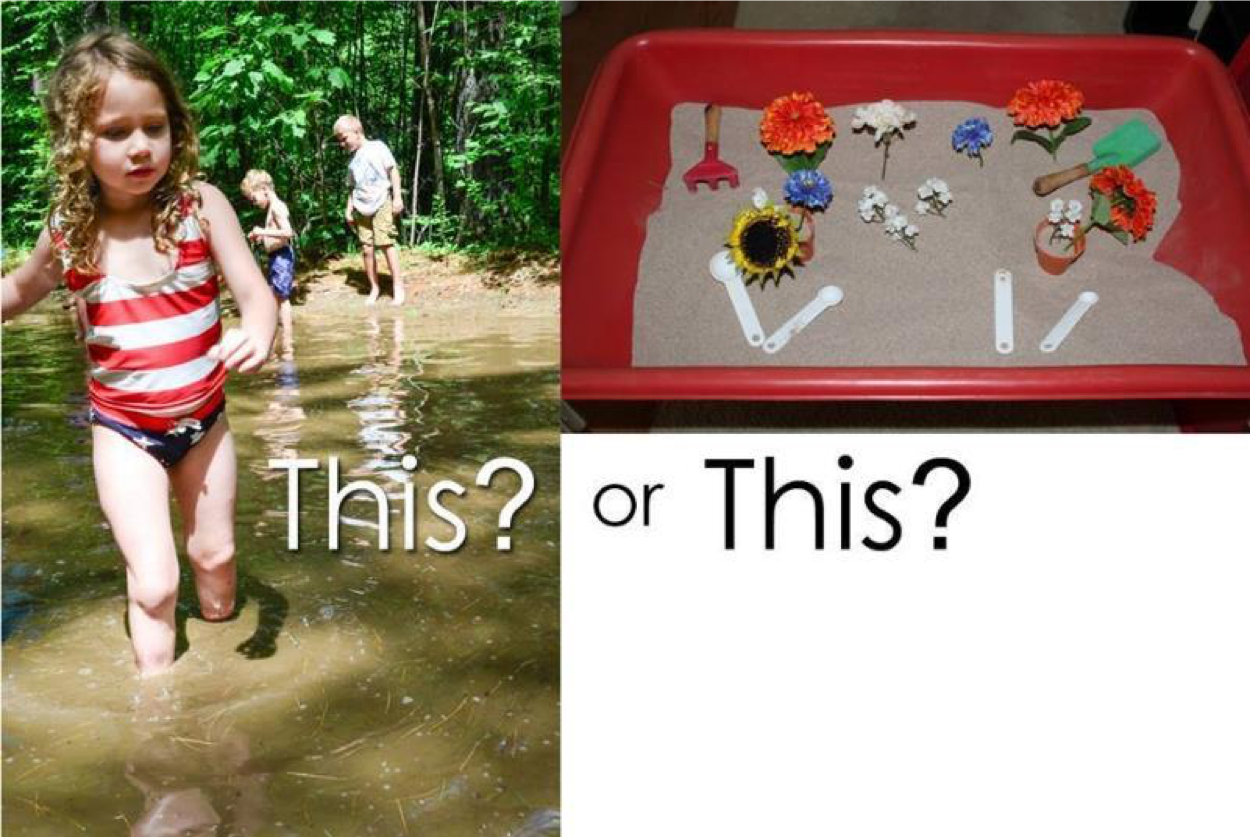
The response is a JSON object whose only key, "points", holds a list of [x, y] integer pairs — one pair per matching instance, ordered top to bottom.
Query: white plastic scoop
{"points": [[726, 272], [829, 296], [1004, 316], [1068, 321]]}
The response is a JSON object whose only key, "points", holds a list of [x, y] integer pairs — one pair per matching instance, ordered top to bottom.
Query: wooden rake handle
{"points": [[711, 124], [1048, 183]]}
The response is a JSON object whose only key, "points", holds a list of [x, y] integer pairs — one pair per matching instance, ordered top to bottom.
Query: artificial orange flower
{"points": [[1047, 103], [795, 123], [1132, 204]]}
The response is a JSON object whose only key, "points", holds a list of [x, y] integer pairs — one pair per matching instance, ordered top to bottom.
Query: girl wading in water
{"points": [[141, 244]]}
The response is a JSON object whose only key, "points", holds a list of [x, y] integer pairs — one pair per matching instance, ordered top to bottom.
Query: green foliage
{"points": [[28, 30], [266, 80], [1052, 140], [1100, 216]]}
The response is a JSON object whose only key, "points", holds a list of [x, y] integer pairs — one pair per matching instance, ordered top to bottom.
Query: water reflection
{"points": [[391, 402], [282, 421], [197, 782]]}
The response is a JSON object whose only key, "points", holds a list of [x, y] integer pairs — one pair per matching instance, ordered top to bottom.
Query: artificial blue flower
{"points": [[972, 136], [809, 188]]}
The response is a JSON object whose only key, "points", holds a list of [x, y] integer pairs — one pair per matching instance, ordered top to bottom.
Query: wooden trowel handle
{"points": [[711, 123], [1048, 183]]}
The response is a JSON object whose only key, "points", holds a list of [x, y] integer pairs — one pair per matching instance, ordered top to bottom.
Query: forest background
{"points": [[466, 94]]}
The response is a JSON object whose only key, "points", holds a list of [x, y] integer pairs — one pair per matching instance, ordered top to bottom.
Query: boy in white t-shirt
{"points": [[374, 201]]}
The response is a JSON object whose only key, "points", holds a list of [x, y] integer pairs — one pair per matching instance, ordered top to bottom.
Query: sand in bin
{"points": [[933, 307]]}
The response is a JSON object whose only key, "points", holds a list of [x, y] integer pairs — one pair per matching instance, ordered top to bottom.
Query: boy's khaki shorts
{"points": [[377, 230]]}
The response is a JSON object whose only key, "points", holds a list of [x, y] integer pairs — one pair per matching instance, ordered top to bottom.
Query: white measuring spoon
{"points": [[726, 272], [829, 296], [1004, 317], [1068, 321]]}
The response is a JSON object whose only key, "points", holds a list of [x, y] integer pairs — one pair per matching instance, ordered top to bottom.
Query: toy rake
{"points": [[710, 169]]}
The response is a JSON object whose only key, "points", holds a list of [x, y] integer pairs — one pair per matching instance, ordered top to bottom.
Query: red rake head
{"points": [[710, 170]]}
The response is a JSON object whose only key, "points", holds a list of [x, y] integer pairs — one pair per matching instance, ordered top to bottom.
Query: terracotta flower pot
{"points": [[807, 249], [1057, 257]]}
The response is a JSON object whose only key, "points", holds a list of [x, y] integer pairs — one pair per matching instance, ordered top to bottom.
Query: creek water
{"points": [[357, 691]]}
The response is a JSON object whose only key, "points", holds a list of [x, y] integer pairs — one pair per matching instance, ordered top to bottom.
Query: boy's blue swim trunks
{"points": [[282, 272]]}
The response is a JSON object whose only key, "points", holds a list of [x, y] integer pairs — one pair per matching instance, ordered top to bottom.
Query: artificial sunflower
{"points": [[1053, 105], [1122, 204], [764, 242]]}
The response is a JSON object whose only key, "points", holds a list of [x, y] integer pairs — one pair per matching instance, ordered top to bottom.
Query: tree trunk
{"points": [[428, 89], [416, 182]]}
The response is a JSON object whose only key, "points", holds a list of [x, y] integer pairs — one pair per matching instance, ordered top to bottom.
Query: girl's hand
{"points": [[254, 234], [240, 350], [245, 352]]}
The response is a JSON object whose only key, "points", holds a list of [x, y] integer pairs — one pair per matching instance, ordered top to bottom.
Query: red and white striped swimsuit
{"points": [[148, 343]]}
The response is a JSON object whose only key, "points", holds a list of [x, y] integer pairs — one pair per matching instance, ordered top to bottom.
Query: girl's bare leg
{"points": [[204, 485], [134, 493]]}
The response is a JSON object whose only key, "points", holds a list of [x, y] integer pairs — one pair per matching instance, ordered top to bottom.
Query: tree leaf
{"points": [[233, 67], [275, 72], [338, 78]]}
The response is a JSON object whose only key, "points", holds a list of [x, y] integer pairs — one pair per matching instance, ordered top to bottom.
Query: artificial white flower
{"points": [[884, 117], [935, 194], [875, 196], [759, 198], [1056, 205], [868, 207], [922, 207], [891, 211], [1073, 214], [1055, 216], [895, 224], [911, 231], [1067, 231]]}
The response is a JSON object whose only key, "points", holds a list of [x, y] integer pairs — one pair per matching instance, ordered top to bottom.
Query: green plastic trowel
{"points": [[1127, 145]]}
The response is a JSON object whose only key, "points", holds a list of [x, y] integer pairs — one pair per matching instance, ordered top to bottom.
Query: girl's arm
{"points": [[36, 278], [245, 348]]}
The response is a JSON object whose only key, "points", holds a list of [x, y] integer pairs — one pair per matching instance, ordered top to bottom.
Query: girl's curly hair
{"points": [[74, 95]]}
